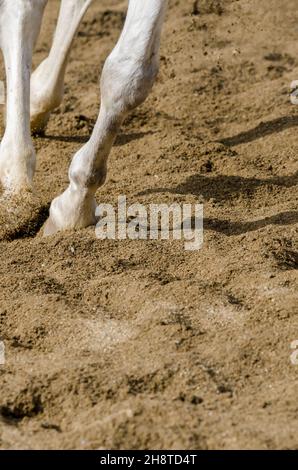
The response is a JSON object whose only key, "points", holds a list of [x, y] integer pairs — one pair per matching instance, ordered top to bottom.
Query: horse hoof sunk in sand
{"points": [[127, 78]]}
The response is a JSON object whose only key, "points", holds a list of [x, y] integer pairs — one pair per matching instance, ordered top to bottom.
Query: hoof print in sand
{"points": [[20, 215]]}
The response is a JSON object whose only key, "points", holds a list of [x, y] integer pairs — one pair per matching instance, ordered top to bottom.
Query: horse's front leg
{"points": [[20, 22], [127, 79]]}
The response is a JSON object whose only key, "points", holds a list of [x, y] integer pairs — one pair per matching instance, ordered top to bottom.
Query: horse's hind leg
{"points": [[47, 81]]}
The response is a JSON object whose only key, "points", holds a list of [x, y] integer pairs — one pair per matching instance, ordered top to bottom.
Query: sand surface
{"points": [[141, 344]]}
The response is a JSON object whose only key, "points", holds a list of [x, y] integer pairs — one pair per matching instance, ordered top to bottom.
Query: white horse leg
{"points": [[20, 22], [128, 76], [47, 81]]}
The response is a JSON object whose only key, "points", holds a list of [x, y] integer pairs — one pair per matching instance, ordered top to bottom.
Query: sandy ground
{"points": [[141, 344]]}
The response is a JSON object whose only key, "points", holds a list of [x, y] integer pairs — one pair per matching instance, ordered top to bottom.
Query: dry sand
{"points": [[141, 344]]}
